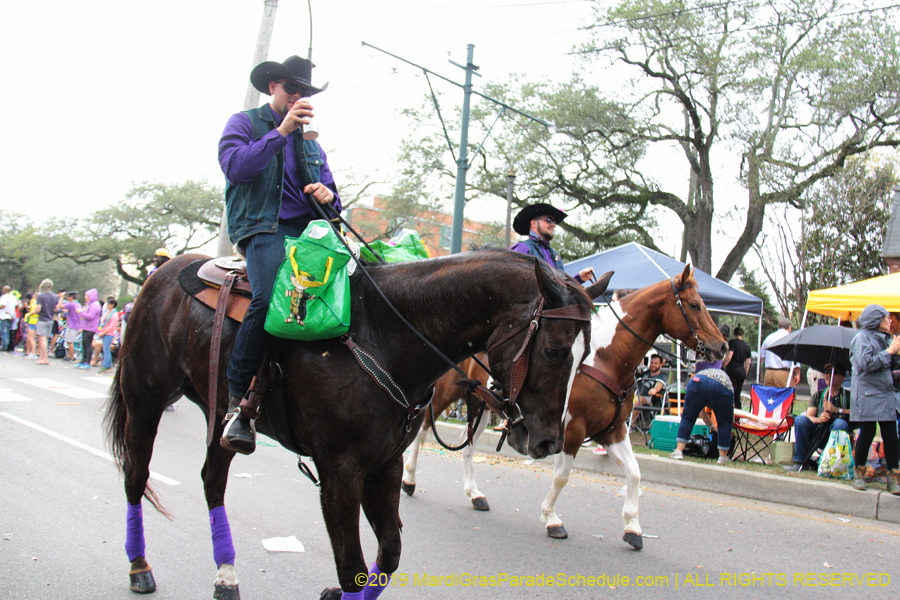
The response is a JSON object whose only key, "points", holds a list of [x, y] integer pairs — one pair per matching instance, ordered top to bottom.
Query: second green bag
{"points": [[404, 246], [311, 297]]}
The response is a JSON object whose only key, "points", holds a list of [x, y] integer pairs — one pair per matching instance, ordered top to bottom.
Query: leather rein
{"points": [[619, 394]]}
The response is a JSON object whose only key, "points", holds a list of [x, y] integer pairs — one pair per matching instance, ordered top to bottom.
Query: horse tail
{"points": [[114, 423]]}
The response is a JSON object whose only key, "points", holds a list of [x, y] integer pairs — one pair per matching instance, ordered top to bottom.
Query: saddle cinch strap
{"points": [[619, 394]]}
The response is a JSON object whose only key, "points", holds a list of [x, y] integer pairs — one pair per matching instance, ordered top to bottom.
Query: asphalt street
{"points": [[62, 522]]}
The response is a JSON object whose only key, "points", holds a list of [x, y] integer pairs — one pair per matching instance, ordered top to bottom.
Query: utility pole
{"points": [[251, 100], [462, 162]]}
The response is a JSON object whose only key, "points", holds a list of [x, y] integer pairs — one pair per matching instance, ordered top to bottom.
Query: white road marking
{"points": [[107, 381], [65, 389], [9, 396], [85, 447]]}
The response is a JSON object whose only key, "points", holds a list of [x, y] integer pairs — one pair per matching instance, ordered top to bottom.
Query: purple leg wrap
{"points": [[134, 532], [223, 549], [378, 581], [352, 595]]}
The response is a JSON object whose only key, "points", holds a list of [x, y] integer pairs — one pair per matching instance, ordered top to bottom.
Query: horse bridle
{"points": [[521, 363], [611, 384]]}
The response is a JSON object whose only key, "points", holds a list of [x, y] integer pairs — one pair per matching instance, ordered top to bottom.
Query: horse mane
{"points": [[486, 255]]}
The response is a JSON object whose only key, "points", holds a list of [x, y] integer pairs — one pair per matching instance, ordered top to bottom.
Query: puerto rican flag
{"points": [[771, 402]]}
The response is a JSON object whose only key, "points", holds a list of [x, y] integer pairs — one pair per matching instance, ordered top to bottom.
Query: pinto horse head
{"points": [[688, 319], [551, 349]]}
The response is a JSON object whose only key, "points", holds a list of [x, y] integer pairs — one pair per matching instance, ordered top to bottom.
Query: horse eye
{"points": [[695, 305], [552, 354]]}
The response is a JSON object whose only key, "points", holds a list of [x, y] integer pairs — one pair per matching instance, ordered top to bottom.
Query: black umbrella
{"points": [[817, 346]]}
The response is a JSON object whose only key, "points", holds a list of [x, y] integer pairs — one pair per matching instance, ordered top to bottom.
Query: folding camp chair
{"points": [[767, 403], [646, 414]]}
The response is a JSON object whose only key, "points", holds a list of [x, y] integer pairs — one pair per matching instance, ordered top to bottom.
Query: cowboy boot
{"points": [[240, 431], [859, 481], [893, 484]]}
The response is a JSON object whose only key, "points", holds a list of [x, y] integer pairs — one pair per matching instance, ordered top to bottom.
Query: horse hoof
{"points": [[409, 488], [480, 504], [557, 532], [634, 540], [142, 582], [227, 592], [331, 594]]}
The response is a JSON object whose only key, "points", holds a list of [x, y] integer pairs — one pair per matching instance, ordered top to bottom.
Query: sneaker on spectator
{"points": [[30, 356], [587, 444], [600, 450], [677, 455], [723, 460]]}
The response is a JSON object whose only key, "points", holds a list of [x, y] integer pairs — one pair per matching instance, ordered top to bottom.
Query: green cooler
{"points": [[664, 429]]}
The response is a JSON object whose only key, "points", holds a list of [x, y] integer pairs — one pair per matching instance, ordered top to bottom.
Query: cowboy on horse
{"points": [[273, 176]]}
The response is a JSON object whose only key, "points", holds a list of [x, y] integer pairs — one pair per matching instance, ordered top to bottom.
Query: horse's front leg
{"points": [[623, 453], [562, 466], [215, 478], [408, 482], [341, 493], [479, 501], [381, 503]]}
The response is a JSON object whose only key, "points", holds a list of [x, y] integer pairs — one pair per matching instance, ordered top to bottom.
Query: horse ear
{"points": [[688, 270], [599, 287]]}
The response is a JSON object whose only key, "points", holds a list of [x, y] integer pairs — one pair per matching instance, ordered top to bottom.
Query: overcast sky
{"points": [[101, 94]]}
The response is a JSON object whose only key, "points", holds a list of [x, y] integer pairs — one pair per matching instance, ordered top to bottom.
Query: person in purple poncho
{"points": [[273, 177], [538, 222], [90, 319]]}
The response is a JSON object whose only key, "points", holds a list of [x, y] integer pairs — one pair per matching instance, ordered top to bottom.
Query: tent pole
{"points": [[803, 322], [759, 358]]}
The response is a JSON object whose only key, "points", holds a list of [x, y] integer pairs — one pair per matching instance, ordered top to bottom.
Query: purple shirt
{"points": [[242, 158], [545, 254], [73, 321], [703, 365]]}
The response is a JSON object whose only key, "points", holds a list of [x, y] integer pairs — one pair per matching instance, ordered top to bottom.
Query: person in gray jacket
{"points": [[873, 398]]}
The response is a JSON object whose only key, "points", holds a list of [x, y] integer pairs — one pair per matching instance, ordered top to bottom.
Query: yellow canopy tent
{"points": [[847, 301]]}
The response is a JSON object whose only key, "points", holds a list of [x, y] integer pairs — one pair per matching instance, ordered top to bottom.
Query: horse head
{"points": [[688, 319], [537, 365]]}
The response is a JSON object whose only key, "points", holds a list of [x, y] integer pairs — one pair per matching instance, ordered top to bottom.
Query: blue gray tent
{"points": [[637, 266]]}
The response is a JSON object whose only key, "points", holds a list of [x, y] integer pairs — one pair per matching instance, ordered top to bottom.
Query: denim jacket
{"points": [[253, 207]]}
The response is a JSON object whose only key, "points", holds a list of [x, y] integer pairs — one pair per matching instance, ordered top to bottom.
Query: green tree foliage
{"points": [[786, 89], [782, 93], [182, 218], [837, 240], [24, 259]]}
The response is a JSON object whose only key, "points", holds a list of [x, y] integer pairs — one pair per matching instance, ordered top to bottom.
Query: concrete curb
{"points": [[792, 491]]}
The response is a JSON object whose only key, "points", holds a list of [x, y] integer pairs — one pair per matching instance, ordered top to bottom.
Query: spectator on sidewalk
{"points": [[8, 304], [71, 306], [46, 310], [90, 318], [31, 319], [107, 331], [737, 363], [873, 397], [828, 410]]}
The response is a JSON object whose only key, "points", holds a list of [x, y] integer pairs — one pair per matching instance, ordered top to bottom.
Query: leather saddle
{"points": [[204, 281]]}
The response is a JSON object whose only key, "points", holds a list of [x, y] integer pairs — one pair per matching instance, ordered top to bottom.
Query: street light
{"points": [[511, 176]]}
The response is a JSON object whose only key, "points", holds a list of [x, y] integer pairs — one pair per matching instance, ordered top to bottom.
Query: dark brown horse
{"points": [[592, 411], [355, 434]]}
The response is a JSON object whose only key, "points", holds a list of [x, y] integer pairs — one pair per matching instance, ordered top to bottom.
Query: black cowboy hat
{"points": [[294, 68], [522, 222]]}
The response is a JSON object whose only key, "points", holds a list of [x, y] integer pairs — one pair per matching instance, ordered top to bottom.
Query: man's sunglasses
{"points": [[291, 88], [550, 220]]}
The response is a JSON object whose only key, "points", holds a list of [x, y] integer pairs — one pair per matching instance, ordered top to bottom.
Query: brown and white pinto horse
{"points": [[672, 307], [446, 392], [593, 412]]}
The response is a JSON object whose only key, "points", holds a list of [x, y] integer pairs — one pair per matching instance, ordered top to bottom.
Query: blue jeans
{"points": [[265, 253], [4, 333], [107, 353], [704, 392], [804, 428]]}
